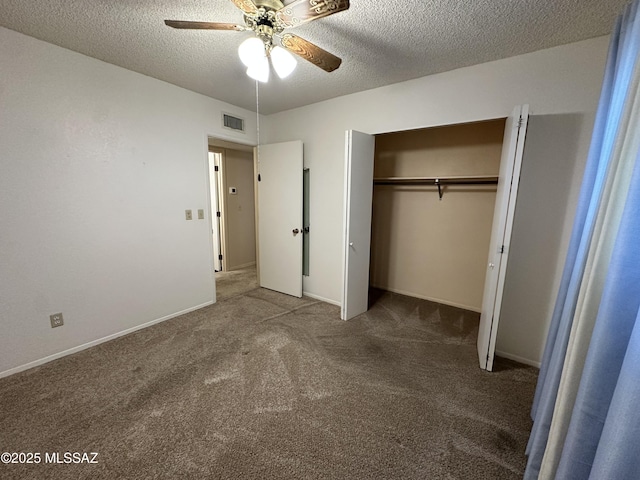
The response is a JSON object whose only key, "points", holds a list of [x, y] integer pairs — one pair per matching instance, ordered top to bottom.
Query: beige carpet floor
{"points": [[235, 282], [263, 385]]}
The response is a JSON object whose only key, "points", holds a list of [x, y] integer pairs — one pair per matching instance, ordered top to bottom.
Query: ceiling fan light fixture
{"points": [[268, 19], [251, 51], [283, 62], [259, 70]]}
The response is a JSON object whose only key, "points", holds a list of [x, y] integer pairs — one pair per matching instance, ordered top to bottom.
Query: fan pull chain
{"points": [[258, 124]]}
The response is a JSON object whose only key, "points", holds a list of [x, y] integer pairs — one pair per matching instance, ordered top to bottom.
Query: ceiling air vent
{"points": [[232, 122]]}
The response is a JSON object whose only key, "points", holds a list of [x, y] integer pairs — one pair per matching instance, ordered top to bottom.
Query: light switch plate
{"points": [[233, 191], [200, 214], [188, 215]]}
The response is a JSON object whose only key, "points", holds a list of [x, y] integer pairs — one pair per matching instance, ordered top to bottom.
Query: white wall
{"points": [[562, 83], [98, 165]]}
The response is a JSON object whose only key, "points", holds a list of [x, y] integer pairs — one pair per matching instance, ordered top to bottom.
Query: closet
{"points": [[434, 196]]}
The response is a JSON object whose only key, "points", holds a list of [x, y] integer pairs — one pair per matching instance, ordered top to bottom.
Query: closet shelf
{"points": [[438, 181]]}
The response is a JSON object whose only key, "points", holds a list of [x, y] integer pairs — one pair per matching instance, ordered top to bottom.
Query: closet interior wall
{"points": [[428, 247]]}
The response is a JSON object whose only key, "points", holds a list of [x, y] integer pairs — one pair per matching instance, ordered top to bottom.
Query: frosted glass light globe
{"points": [[251, 51], [283, 62]]}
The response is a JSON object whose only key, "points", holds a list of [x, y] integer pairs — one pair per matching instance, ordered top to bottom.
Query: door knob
{"points": [[296, 231]]}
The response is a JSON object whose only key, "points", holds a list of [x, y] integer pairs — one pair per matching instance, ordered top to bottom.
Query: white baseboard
{"points": [[240, 267], [322, 299], [431, 299], [93, 343], [518, 359]]}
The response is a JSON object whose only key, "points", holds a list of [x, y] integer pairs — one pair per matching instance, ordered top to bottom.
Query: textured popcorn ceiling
{"points": [[380, 42]]}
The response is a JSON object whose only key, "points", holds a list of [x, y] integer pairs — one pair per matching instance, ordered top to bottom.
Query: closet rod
{"points": [[477, 179], [438, 181]]}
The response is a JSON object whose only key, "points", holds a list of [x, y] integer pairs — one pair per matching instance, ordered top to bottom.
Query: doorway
{"points": [[358, 198], [232, 214], [261, 217], [428, 240]]}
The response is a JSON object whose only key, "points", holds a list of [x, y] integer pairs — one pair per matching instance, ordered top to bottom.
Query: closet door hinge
{"points": [[216, 168], [218, 214], [501, 249], [219, 257]]}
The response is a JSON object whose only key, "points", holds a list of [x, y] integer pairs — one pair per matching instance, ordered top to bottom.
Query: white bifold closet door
{"points": [[508, 181], [358, 195], [280, 229]]}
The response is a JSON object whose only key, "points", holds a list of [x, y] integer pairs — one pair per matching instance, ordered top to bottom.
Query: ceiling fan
{"points": [[269, 19]]}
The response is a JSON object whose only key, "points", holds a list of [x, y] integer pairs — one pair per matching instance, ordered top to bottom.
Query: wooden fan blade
{"points": [[247, 6], [303, 11], [204, 25], [307, 50]]}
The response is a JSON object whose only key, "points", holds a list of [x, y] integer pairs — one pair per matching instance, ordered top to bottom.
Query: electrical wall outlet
{"points": [[200, 214], [188, 215], [56, 320]]}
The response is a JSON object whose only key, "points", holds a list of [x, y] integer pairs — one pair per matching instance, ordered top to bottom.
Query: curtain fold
{"points": [[594, 311], [601, 379], [617, 455]]}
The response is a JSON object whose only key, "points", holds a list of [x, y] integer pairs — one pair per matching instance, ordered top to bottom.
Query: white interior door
{"points": [[510, 164], [358, 195], [280, 217]]}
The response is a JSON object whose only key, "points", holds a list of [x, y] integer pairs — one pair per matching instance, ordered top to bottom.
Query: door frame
{"points": [[215, 171], [222, 206]]}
